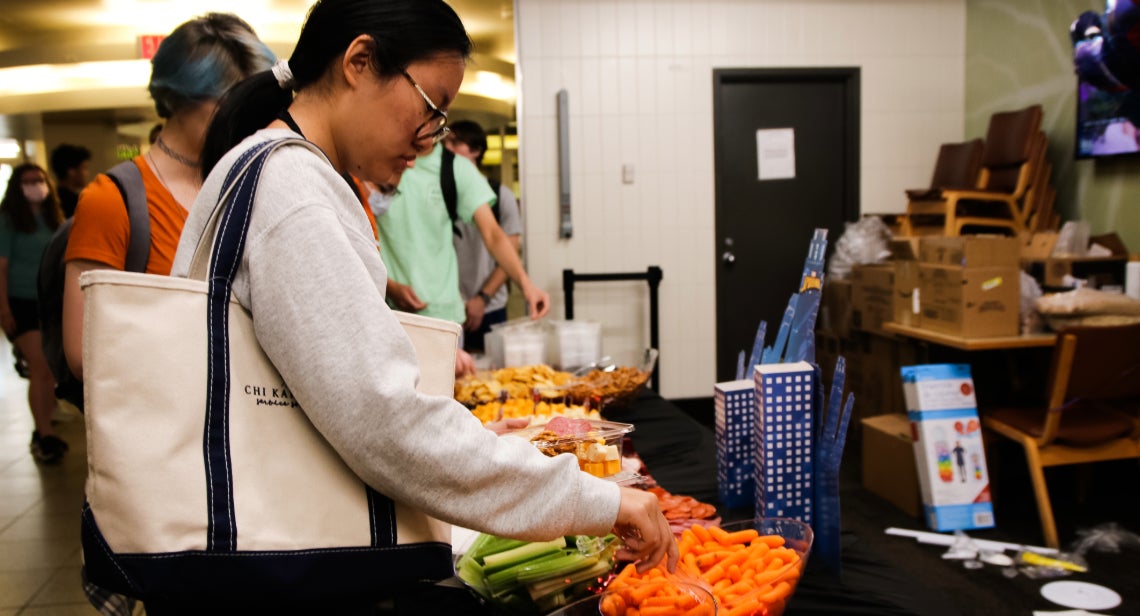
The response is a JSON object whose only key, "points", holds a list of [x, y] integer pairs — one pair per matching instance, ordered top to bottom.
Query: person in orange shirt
{"points": [[193, 67]]}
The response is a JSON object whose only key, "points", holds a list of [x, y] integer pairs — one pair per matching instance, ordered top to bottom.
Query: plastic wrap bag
{"points": [[1073, 240], [862, 242], [1108, 538]]}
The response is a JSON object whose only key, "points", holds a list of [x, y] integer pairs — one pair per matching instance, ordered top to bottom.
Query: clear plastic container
{"points": [[572, 344], [598, 450]]}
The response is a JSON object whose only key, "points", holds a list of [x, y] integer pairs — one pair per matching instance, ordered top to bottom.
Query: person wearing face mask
{"points": [[369, 84], [29, 215]]}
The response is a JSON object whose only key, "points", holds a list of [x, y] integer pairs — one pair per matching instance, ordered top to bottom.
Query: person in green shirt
{"points": [[29, 215], [416, 241]]}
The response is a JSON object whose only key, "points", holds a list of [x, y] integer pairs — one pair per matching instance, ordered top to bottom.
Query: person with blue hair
{"points": [[193, 67]]}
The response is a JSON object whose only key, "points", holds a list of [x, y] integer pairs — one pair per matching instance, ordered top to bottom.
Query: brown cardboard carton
{"points": [[1038, 246], [971, 251], [872, 290], [970, 302], [905, 306], [837, 307], [888, 461]]}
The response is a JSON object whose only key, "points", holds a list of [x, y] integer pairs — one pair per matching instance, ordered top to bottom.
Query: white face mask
{"points": [[36, 193], [379, 202]]}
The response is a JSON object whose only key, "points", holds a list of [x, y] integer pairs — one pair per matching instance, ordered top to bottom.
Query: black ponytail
{"points": [[404, 31], [243, 110]]}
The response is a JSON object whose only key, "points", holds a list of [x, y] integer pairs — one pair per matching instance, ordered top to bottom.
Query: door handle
{"points": [[728, 258]]}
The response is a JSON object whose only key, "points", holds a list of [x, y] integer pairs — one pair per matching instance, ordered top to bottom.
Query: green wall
{"points": [[1017, 54]]}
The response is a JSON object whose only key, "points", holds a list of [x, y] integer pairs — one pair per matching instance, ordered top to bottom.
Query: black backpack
{"points": [[451, 194], [50, 279]]}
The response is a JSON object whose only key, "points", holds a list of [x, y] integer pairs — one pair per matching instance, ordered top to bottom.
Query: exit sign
{"points": [[148, 45]]}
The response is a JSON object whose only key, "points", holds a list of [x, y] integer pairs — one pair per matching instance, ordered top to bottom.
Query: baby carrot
{"points": [[702, 533], [719, 534], [741, 536], [780, 592], [703, 609], [744, 609]]}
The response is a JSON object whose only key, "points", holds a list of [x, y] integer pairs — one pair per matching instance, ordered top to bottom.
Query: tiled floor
{"points": [[39, 510]]}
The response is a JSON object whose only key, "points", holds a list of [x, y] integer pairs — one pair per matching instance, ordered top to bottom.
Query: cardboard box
{"points": [[1038, 246], [971, 251], [1098, 271], [872, 291], [970, 302], [836, 307], [906, 309], [950, 458], [888, 462], [783, 474]]}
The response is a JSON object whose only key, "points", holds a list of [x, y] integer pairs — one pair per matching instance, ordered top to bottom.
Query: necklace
{"points": [[175, 155], [157, 171]]}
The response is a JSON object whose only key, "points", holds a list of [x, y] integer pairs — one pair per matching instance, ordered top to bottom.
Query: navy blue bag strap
{"points": [[128, 178], [238, 192]]}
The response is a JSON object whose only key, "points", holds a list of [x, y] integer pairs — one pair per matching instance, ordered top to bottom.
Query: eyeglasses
{"points": [[436, 126]]}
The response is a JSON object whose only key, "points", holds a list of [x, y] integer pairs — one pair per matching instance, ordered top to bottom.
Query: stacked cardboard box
{"points": [[970, 286], [872, 291], [905, 304], [948, 450], [888, 461]]}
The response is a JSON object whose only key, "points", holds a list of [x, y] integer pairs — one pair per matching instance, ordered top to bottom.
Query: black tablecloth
{"points": [[880, 574]]}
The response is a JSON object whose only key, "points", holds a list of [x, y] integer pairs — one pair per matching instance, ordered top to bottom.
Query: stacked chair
{"points": [[1002, 184]]}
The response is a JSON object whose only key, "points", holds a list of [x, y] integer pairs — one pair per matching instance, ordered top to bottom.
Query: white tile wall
{"points": [[639, 74]]}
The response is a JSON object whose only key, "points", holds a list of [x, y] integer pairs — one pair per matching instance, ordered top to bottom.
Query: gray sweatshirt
{"points": [[314, 283]]}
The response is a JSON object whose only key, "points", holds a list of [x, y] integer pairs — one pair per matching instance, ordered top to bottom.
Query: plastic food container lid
{"points": [[599, 429]]}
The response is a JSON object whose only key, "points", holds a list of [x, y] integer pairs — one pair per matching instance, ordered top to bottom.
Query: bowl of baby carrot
{"points": [[749, 568]]}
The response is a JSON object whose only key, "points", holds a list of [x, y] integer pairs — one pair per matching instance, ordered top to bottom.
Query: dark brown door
{"points": [[763, 227]]}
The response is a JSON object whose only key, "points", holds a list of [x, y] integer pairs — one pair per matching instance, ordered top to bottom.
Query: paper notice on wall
{"points": [[776, 153]]}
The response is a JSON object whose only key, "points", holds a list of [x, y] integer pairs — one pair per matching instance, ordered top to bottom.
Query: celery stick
{"points": [[495, 545], [494, 562], [555, 568], [470, 572], [509, 576], [543, 588]]}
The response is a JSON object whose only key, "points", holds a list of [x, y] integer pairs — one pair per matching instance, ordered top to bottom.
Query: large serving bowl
{"points": [[797, 537], [660, 596]]}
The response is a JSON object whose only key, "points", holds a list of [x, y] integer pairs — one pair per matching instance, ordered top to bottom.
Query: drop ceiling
{"points": [[34, 32]]}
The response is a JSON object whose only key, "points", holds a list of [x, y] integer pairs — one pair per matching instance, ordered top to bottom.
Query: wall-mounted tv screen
{"points": [[1106, 56]]}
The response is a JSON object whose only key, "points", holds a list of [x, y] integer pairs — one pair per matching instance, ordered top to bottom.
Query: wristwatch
{"points": [[486, 298]]}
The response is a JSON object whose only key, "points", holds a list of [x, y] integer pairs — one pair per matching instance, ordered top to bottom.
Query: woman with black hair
{"points": [[369, 84], [29, 214]]}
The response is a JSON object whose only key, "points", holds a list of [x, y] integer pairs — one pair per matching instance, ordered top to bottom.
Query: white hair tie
{"points": [[283, 74]]}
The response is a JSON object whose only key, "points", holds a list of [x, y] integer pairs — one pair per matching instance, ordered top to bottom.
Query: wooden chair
{"points": [[1014, 150], [958, 166], [1090, 414]]}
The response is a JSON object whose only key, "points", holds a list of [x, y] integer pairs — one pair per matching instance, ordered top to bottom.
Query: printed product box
{"points": [[971, 251], [872, 291], [970, 302], [735, 418], [951, 461], [888, 462], [783, 469]]}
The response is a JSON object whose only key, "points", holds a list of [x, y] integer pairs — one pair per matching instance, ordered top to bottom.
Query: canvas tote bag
{"points": [[206, 479]]}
